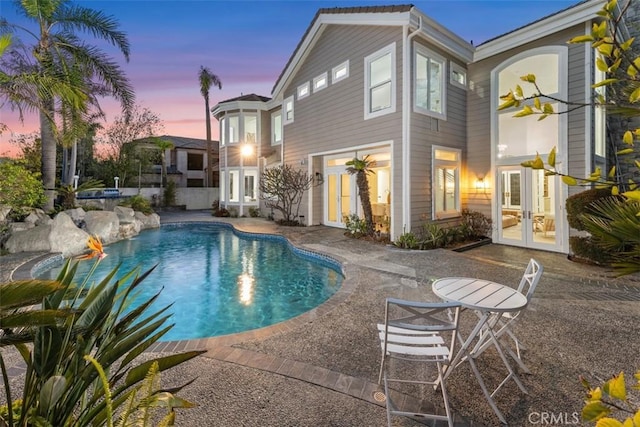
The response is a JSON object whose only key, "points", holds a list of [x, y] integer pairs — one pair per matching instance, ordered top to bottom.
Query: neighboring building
{"points": [[391, 83], [186, 162]]}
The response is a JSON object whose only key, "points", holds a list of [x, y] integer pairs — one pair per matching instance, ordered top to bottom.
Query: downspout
{"points": [[406, 123]]}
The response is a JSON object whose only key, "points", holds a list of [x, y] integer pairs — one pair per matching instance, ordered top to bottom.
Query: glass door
{"points": [[339, 204], [528, 205]]}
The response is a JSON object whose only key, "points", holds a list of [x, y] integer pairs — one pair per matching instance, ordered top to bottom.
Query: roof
{"points": [[340, 10], [249, 97], [184, 142]]}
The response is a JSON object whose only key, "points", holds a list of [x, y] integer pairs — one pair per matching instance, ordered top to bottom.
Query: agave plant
{"points": [[62, 387]]}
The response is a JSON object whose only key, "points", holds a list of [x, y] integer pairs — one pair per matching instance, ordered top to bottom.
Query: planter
{"points": [[472, 245]]}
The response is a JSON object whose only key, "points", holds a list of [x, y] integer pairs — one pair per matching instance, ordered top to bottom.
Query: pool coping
{"points": [[25, 272]]}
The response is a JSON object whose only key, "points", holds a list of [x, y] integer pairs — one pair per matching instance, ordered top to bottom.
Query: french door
{"points": [[339, 196], [529, 208]]}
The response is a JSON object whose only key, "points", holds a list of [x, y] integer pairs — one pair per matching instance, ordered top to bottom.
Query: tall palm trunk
{"points": [[48, 156], [210, 182], [365, 199]]}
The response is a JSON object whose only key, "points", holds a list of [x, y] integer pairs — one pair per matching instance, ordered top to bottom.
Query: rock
{"points": [[4, 212], [77, 215], [125, 215], [38, 217], [148, 221], [103, 224], [14, 227], [129, 230], [65, 237], [33, 239]]}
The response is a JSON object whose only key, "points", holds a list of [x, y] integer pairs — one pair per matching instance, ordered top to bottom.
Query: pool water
{"points": [[220, 282]]}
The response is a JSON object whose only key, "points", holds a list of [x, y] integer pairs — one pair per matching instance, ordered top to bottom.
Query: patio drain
{"points": [[379, 396]]}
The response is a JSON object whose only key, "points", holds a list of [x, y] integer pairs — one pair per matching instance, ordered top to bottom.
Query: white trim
{"points": [[551, 25], [435, 33], [387, 50], [430, 55], [455, 68], [336, 69], [322, 77], [303, 91], [238, 105], [588, 111], [272, 139], [457, 190]]}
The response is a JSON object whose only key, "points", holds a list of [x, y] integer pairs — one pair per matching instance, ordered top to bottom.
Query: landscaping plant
{"points": [[361, 168], [282, 188], [64, 387]]}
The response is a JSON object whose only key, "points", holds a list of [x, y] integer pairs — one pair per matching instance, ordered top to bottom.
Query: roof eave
{"points": [[567, 18], [238, 105]]}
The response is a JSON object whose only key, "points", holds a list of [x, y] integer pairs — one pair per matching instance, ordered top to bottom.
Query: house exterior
{"points": [[391, 83], [186, 162]]}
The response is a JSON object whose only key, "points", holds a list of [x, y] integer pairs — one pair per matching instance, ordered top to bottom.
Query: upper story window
{"points": [[340, 72], [458, 76], [320, 82], [380, 82], [303, 90], [429, 90], [288, 111], [276, 128], [234, 129], [250, 129], [223, 133], [525, 136], [446, 182]]}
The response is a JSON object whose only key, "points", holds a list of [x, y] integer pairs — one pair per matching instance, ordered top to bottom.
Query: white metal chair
{"points": [[502, 324], [418, 332]]}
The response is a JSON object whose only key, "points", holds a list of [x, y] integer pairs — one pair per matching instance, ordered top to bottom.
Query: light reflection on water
{"points": [[219, 283]]}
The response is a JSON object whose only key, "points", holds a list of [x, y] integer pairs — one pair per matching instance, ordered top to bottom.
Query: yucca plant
{"points": [[62, 387]]}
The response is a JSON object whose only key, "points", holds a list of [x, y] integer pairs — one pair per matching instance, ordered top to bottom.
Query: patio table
{"points": [[489, 300]]}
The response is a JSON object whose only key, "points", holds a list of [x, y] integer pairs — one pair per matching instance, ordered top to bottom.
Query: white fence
{"points": [[194, 198]]}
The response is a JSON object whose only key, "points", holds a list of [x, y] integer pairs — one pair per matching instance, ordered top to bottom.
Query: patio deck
{"points": [[320, 369]]}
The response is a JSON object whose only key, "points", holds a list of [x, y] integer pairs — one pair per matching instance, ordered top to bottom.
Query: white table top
{"points": [[478, 294]]}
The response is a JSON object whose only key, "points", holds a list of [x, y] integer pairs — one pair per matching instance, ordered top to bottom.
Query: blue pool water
{"points": [[219, 281]]}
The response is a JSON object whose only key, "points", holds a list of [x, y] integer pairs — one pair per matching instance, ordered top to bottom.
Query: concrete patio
{"points": [[321, 368]]}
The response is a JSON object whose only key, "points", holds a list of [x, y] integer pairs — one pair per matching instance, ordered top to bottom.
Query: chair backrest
{"points": [[530, 278], [426, 330]]}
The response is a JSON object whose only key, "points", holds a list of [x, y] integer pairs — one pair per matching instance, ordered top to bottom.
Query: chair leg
{"points": [[381, 369], [445, 397]]}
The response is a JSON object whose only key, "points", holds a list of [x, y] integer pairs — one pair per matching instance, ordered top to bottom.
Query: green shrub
{"points": [[20, 189], [169, 196], [138, 203], [579, 204], [254, 212], [475, 224], [356, 226], [407, 240], [586, 249]]}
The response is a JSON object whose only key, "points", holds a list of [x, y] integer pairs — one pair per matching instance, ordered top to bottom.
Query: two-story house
{"points": [[391, 83]]}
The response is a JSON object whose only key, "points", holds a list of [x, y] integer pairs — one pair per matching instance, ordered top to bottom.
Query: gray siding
{"points": [[333, 118]]}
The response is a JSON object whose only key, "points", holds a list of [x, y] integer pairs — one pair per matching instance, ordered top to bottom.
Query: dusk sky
{"points": [[246, 43]]}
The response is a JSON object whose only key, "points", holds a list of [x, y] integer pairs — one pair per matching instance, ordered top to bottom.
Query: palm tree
{"points": [[57, 50], [208, 79], [163, 145], [361, 168]]}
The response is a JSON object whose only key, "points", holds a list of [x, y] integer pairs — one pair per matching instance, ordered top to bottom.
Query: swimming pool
{"points": [[221, 281]]}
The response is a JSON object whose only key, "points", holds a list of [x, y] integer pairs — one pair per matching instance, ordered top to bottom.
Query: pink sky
{"points": [[246, 43]]}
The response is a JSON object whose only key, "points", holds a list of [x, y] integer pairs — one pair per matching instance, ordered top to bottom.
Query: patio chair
{"points": [[502, 324], [422, 333]]}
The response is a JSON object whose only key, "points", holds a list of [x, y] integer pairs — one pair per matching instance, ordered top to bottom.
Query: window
{"points": [[340, 72], [458, 76], [320, 82], [380, 85], [303, 91], [429, 91], [288, 111], [600, 115], [276, 128], [234, 129], [250, 129], [223, 133], [195, 161], [446, 182], [250, 185], [234, 186], [223, 189]]}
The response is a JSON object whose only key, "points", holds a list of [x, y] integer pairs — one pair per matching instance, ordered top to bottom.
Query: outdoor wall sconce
{"points": [[303, 161], [319, 178], [481, 185]]}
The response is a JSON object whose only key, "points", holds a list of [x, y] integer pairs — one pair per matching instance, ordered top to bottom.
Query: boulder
{"points": [[77, 215], [125, 215], [148, 221], [103, 224], [14, 227], [129, 230], [65, 237], [33, 239]]}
